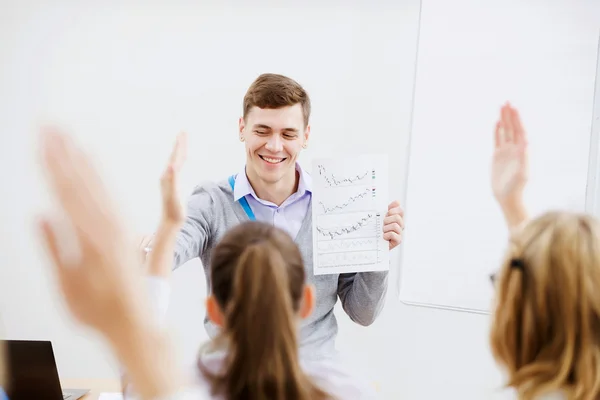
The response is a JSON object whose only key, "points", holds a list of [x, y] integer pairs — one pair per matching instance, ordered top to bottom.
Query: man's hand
{"points": [[510, 166], [393, 224]]}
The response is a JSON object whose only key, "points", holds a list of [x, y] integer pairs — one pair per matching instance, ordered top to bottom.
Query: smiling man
{"points": [[274, 188]]}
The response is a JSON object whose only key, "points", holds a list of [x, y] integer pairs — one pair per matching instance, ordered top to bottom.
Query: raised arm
{"points": [[510, 167], [181, 235], [195, 235], [160, 259], [98, 276]]}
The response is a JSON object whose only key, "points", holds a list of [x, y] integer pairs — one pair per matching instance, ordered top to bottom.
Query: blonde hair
{"points": [[546, 326]]}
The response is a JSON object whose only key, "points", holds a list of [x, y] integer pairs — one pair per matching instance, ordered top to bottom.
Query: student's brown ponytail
{"points": [[258, 278]]}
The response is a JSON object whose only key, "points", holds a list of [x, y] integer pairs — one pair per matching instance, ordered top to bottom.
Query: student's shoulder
{"points": [[339, 380]]}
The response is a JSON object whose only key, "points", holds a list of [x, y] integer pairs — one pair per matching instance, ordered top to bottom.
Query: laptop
{"points": [[32, 372]]}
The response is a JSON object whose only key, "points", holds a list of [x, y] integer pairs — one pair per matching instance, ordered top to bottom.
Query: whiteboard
{"points": [[472, 57]]}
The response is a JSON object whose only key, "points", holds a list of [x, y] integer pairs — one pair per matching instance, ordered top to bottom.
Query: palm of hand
{"points": [[509, 163], [509, 171], [172, 208], [97, 280], [98, 288]]}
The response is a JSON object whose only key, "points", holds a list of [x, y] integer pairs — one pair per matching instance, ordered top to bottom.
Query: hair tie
{"points": [[517, 263]]}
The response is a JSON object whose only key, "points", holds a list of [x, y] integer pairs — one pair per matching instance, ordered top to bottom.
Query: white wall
{"points": [[127, 78]]}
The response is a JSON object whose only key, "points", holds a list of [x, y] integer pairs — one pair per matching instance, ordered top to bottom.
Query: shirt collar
{"points": [[244, 188]]}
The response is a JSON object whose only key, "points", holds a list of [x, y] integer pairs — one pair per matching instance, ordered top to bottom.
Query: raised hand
{"points": [[510, 167], [172, 208], [173, 213], [160, 259], [98, 282], [101, 282]]}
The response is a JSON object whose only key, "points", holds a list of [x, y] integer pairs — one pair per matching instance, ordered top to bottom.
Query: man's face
{"points": [[274, 139]]}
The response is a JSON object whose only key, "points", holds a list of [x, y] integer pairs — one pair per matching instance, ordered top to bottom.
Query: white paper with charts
{"points": [[350, 197]]}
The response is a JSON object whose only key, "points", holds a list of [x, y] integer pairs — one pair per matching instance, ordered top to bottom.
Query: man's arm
{"points": [[195, 233], [363, 295]]}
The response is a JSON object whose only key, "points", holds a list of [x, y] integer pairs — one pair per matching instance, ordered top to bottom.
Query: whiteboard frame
{"points": [[592, 191], [592, 194]]}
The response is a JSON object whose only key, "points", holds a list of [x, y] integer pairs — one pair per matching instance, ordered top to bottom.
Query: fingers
{"points": [[507, 123], [510, 128], [498, 134], [520, 135], [179, 152], [54, 157], [167, 181], [75, 183], [394, 204], [171, 205], [172, 208], [394, 208], [393, 220], [393, 225], [393, 238], [51, 242], [145, 243], [144, 247], [62, 270]]}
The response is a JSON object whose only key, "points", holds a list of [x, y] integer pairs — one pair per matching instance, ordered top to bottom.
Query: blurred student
{"points": [[99, 275], [546, 325]]}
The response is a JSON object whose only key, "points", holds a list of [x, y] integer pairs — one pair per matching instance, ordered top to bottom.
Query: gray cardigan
{"points": [[211, 211]]}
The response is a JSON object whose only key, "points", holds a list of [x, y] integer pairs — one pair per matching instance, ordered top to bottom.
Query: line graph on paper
{"points": [[332, 180], [352, 199], [349, 204]]}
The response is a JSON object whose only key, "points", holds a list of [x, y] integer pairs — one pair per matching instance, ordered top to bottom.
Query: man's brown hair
{"points": [[276, 91]]}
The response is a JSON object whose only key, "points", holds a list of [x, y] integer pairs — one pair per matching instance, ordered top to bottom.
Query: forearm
{"points": [[515, 214], [160, 259], [158, 291], [363, 295], [148, 356]]}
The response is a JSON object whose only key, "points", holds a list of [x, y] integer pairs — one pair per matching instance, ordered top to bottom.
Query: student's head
{"points": [[274, 126], [258, 297], [546, 325]]}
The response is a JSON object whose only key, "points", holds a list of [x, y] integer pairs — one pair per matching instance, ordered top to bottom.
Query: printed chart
{"points": [[350, 197]]}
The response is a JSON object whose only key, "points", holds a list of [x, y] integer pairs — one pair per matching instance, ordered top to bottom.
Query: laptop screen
{"points": [[32, 372]]}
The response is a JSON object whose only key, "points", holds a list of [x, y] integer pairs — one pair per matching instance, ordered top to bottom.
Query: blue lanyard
{"points": [[243, 201], [3, 395]]}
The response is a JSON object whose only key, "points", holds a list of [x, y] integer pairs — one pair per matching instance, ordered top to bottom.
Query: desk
{"points": [[96, 386]]}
